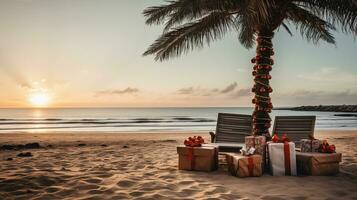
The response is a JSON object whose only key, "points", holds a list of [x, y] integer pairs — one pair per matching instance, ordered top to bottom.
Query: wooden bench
{"points": [[230, 132]]}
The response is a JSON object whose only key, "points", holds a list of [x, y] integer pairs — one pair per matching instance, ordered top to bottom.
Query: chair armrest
{"points": [[213, 136]]}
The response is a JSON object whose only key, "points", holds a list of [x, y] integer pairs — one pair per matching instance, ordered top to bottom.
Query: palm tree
{"points": [[189, 24]]}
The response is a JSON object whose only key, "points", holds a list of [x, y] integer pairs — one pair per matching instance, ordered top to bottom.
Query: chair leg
{"points": [[213, 136]]}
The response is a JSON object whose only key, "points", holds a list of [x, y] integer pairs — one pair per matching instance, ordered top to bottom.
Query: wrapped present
{"points": [[257, 142], [259, 145], [310, 145], [197, 158], [282, 158], [317, 164], [244, 166]]}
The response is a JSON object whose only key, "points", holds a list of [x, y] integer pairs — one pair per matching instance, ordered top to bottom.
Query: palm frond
{"points": [[193, 9], [263, 10], [341, 13], [157, 14], [245, 24], [311, 27], [287, 28], [191, 35]]}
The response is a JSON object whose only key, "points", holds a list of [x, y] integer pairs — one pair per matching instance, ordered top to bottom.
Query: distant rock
{"points": [[324, 108], [34, 145], [81, 145], [104, 145], [125, 146], [7, 147], [27, 154], [9, 159]]}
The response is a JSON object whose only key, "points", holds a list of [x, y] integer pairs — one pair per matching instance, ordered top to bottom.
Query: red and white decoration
{"points": [[282, 158]]}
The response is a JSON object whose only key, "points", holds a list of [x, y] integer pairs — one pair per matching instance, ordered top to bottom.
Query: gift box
{"points": [[258, 142], [310, 145], [197, 158], [282, 158], [318, 164], [244, 166]]}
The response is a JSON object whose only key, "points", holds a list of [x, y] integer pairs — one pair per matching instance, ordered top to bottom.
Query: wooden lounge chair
{"points": [[296, 127], [231, 130]]}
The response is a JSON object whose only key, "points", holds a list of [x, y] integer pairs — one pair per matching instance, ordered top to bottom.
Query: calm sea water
{"points": [[140, 119]]}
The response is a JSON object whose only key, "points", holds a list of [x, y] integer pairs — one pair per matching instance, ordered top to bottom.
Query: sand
{"points": [[144, 166]]}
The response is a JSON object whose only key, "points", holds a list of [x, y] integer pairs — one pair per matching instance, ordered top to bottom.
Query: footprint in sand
{"points": [[94, 180], [126, 183], [186, 183], [86, 187], [53, 189], [95, 192], [136, 193]]}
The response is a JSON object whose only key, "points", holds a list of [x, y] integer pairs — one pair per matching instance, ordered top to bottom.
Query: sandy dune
{"points": [[144, 166]]}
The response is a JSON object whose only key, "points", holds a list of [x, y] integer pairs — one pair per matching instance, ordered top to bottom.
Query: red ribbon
{"points": [[191, 157], [287, 159], [250, 166]]}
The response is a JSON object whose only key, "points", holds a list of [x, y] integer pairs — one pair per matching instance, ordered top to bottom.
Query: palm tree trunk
{"points": [[263, 65]]}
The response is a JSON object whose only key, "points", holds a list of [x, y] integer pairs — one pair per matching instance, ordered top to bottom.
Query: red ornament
{"points": [[253, 60], [254, 73], [262, 89]]}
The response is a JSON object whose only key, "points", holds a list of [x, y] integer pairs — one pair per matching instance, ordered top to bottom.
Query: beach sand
{"points": [[144, 166]]}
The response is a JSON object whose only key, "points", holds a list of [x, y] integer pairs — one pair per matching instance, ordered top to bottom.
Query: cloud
{"points": [[229, 88], [127, 90], [188, 90], [244, 92]]}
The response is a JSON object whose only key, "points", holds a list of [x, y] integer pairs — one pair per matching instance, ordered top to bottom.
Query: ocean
{"points": [[141, 119]]}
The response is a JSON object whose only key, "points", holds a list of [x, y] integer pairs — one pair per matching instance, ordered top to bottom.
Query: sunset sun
{"points": [[39, 99]]}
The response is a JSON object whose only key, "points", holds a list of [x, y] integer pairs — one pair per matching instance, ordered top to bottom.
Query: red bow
{"points": [[283, 139], [195, 141], [326, 148]]}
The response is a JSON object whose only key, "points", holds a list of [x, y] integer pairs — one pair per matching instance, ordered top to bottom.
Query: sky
{"points": [[88, 53]]}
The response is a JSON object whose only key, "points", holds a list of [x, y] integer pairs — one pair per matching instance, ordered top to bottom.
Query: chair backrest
{"points": [[296, 127], [232, 128]]}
